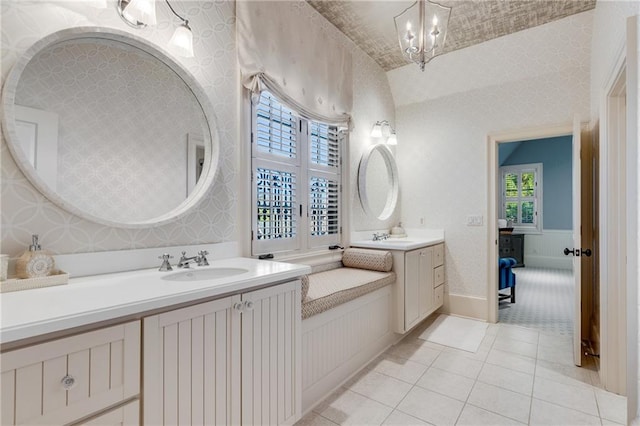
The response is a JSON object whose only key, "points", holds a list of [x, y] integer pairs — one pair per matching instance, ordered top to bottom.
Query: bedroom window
{"points": [[296, 180], [522, 197]]}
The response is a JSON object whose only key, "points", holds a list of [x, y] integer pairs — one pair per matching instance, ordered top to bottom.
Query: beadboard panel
{"points": [[546, 250], [271, 331], [339, 342], [188, 372]]}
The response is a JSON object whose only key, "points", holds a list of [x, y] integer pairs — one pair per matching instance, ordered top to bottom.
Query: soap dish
{"points": [[17, 284]]}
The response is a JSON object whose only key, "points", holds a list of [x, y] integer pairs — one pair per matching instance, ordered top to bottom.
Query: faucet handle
{"points": [[202, 258], [166, 266]]}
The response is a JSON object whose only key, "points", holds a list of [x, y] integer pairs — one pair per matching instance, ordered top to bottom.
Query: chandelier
{"points": [[422, 30]]}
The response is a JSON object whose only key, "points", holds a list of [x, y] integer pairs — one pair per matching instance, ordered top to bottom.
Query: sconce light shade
{"points": [[143, 11], [182, 41], [376, 132], [392, 140]]}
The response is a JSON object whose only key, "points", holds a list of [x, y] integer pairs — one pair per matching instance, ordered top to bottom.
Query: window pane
{"points": [[276, 127], [324, 144], [528, 184], [511, 185], [276, 204], [323, 206], [512, 211], [527, 212]]}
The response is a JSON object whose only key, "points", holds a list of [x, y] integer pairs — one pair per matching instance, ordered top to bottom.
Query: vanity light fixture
{"points": [[140, 13], [422, 30], [382, 129]]}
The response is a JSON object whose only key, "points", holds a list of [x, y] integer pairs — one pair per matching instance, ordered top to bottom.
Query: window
{"points": [[296, 180], [522, 196]]}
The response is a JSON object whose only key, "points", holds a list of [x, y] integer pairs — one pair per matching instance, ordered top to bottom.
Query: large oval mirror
{"points": [[110, 128], [378, 182]]}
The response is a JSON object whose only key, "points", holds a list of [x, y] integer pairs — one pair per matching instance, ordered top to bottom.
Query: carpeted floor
{"points": [[544, 301]]}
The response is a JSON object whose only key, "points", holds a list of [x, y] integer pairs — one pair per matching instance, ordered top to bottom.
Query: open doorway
{"points": [[535, 221], [543, 254]]}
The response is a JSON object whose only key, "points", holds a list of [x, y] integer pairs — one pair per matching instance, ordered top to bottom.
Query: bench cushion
{"points": [[375, 260], [329, 289]]}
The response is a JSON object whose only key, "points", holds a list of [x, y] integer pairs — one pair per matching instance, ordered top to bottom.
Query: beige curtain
{"points": [[283, 50]]}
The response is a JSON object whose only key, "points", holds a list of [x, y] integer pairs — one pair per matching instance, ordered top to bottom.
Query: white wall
{"points": [[442, 147], [25, 211]]}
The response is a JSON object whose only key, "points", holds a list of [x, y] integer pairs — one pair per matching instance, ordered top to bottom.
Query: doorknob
{"points": [[567, 252], [586, 252]]}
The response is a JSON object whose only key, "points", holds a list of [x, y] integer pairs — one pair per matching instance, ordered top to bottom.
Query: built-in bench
{"points": [[361, 271], [347, 319]]}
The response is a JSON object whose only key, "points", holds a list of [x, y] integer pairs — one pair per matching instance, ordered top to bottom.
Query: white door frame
{"points": [[493, 200], [619, 219]]}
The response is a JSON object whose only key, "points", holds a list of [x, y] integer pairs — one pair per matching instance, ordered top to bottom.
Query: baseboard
{"points": [[550, 262], [466, 306]]}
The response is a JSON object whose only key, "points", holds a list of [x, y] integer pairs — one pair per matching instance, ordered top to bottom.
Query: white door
{"points": [[37, 132], [577, 244]]}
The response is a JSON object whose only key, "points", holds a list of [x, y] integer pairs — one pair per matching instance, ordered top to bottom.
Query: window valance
{"points": [[281, 48]]}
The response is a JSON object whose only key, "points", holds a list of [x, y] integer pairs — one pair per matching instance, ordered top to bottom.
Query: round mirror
{"points": [[110, 128], [378, 182]]}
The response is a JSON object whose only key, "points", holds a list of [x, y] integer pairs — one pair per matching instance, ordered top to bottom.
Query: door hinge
{"points": [[251, 137], [251, 175], [300, 210], [341, 229], [251, 235]]}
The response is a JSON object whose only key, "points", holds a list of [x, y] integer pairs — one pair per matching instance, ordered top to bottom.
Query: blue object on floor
{"points": [[507, 279]]}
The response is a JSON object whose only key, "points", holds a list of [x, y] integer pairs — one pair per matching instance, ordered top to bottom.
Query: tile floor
{"points": [[518, 376]]}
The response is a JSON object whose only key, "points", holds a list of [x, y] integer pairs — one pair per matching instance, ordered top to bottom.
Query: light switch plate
{"points": [[474, 220]]}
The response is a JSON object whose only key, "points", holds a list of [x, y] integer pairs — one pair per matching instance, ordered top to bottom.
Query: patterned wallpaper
{"points": [[123, 124], [443, 152], [26, 211]]}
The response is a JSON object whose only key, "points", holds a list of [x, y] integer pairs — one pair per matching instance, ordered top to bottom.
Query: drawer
{"points": [[438, 255], [438, 276], [438, 296], [64, 380], [126, 415]]}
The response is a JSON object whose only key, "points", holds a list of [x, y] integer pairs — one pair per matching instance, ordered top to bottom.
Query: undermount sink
{"points": [[204, 274]]}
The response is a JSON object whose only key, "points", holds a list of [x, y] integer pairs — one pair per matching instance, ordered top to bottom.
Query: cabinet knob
{"points": [[249, 305], [238, 306], [68, 382]]}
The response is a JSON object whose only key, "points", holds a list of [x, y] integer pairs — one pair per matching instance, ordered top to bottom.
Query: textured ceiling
{"points": [[370, 23]]}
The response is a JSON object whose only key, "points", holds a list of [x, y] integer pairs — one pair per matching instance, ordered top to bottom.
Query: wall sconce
{"points": [[140, 13], [382, 129]]}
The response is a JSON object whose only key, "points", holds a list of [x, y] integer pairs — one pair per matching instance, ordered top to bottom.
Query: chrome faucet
{"points": [[380, 237], [200, 259], [166, 265]]}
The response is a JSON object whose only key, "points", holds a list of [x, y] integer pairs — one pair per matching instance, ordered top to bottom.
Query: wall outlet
{"points": [[474, 220], [422, 221]]}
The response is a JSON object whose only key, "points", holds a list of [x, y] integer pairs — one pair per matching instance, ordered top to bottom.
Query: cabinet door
{"points": [[411, 288], [425, 290], [271, 347], [191, 368], [64, 380]]}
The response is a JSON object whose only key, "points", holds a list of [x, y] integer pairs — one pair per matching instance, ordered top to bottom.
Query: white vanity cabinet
{"points": [[419, 285], [229, 361], [71, 378]]}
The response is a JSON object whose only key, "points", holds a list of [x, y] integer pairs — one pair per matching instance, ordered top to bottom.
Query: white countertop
{"points": [[415, 239], [92, 299]]}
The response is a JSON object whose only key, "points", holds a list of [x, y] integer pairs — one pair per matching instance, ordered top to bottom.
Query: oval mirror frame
{"points": [[210, 136], [392, 172]]}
